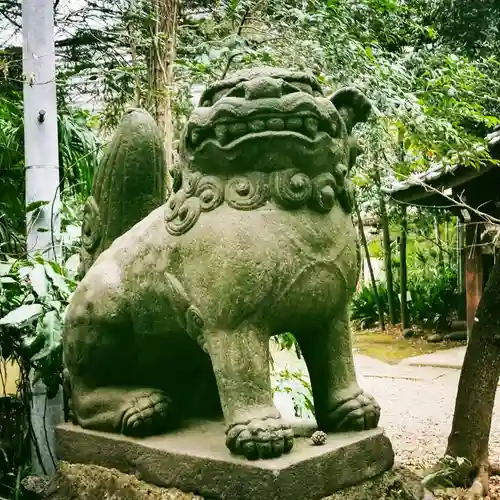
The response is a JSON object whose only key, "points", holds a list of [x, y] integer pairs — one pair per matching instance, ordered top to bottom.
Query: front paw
{"points": [[359, 412], [260, 438]]}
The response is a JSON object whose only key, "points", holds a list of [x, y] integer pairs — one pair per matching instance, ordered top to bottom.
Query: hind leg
{"points": [[109, 392], [340, 404], [130, 411]]}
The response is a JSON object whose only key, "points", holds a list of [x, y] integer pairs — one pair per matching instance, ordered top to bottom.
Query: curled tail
{"points": [[129, 183]]}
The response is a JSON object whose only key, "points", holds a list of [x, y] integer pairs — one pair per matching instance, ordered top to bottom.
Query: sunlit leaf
{"points": [[38, 280], [22, 314], [50, 328]]}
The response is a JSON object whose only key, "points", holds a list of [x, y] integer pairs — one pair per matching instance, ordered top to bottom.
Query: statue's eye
{"points": [[302, 87], [238, 91], [220, 94], [206, 104], [86, 229]]}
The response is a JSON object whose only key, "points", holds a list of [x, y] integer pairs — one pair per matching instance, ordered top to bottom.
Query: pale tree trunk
{"points": [[135, 63], [161, 66], [42, 191], [447, 239], [439, 242], [386, 243], [405, 320]]}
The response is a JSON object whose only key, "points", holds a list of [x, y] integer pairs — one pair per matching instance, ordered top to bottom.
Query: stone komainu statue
{"points": [[173, 320]]}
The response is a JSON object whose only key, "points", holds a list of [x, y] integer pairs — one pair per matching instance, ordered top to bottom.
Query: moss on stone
{"points": [[91, 482]]}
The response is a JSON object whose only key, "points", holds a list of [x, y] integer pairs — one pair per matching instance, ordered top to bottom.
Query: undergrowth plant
{"points": [[34, 293], [33, 296], [433, 298], [297, 385]]}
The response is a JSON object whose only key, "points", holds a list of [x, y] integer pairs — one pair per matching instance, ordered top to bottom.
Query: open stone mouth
{"points": [[227, 133]]}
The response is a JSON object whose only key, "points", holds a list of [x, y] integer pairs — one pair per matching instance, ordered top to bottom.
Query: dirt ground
{"points": [[391, 347]]}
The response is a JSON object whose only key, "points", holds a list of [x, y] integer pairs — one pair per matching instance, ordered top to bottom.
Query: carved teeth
{"points": [[294, 123], [275, 124], [311, 125], [257, 126], [238, 129], [225, 132]]}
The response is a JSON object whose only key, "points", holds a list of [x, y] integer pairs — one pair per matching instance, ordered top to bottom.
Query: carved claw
{"points": [[148, 413], [359, 413], [260, 438]]}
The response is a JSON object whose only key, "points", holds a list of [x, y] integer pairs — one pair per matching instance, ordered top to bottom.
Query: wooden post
{"points": [[473, 272]]}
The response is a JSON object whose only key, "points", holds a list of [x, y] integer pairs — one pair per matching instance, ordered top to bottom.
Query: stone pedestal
{"points": [[195, 459]]}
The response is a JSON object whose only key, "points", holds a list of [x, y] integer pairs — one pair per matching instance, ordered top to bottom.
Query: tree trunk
{"points": [[135, 64], [161, 64], [42, 193], [386, 241], [438, 242], [370, 268], [405, 321], [479, 378]]}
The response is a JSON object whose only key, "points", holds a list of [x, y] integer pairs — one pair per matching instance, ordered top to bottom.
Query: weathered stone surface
{"points": [[129, 183], [172, 322], [457, 324], [408, 333], [456, 336], [435, 338], [195, 460], [92, 482], [397, 484]]}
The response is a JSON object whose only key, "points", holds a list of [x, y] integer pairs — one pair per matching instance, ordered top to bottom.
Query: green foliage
{"points": [[469, 25], [431, 69], [437, 104], [79, 150], [11, 175], [375, 249], [33, 298], [434, 298], [364, 309], [288, 342], [296, 384]]}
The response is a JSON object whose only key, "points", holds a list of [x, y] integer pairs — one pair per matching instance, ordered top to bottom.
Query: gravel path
{"points": [[417, 411], [417, 415]]}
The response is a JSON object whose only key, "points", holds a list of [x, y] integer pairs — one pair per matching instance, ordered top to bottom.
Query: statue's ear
{"points": [[353, 106]]}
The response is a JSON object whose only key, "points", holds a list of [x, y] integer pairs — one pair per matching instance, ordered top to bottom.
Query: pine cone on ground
{"points": [[319, 438]]}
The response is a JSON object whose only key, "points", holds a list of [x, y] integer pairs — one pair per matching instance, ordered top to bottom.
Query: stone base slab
{"points": [[194, 459]]}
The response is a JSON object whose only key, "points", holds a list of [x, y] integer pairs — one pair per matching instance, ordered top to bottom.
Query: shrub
{"points": [[33, 297], [434, 298], [364, 311]]}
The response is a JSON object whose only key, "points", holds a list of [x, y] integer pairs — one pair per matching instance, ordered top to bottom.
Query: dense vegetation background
{"points": [[430, 67]]}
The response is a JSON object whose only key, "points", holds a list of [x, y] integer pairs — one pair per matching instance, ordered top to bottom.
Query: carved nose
{"points": [[261, 88]]}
